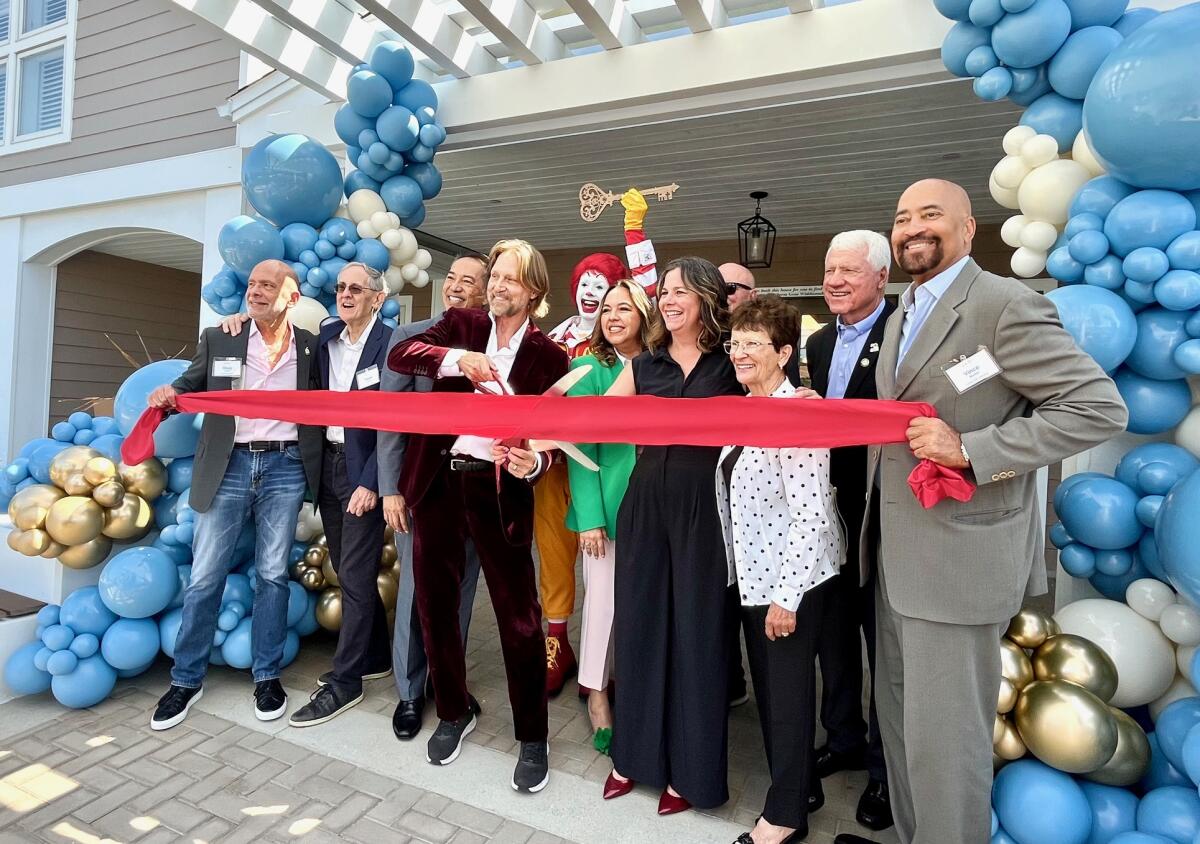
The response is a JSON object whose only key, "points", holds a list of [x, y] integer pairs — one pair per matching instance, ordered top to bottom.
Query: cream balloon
{"points": [[1016, 137], [1039, 150], [1082, 152], [1010, 171], [1046, 193], [1005, 197], [363, 203], [343, 212], [393, 220], [381, 222], [365, 229], [1010, 231], [1039, 236], [391, 238], [404, 252], [423, 259], [1027, 263], [410, 271], [394, 279], [422, 279], [309, 314], [1187, 435], [312, 517], [304, 532], [1148, 597], [1181, 624], [1143, 655], [1183, 661], [1178, 690]]}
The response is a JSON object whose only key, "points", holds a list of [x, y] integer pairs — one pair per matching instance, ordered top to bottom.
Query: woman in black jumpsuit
{"points": [[671, 661]]}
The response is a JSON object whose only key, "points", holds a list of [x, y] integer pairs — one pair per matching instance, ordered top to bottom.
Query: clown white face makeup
{"points": [[588, 295]]}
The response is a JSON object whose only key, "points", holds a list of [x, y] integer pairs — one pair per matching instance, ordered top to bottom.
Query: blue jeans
{"points": [[268, 486]]}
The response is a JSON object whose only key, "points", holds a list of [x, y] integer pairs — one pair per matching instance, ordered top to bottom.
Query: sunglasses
{"points": [[732, 287], [355, 289]]}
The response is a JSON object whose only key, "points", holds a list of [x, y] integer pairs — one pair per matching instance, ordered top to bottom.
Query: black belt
{"points": [[266, 445], [336, 448], [470, 464]]}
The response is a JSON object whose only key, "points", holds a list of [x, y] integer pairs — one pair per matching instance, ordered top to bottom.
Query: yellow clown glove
{"points": [[635, 209]]}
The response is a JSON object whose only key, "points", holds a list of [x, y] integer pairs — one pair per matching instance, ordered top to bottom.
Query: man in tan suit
{"points": [[1013, 393]]}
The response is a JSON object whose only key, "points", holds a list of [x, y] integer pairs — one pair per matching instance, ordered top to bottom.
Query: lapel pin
{"points": [[874, 347], [865, 362]]}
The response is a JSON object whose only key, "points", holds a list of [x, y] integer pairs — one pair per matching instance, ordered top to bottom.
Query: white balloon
{"points": [[1016, 137], [1039, 150], [1081, 151], [1010, 171], [1046, 193], [1005, 197], [363, 203], [342, 212], [393, 220], [380, 221], [365, 229], [1010, 232], [1039, 236], [391, 238], [406, 250], [423, 259], [1027, 263], [410, 271], [422, 279], [394, 280], [308, 314], [1187, 435], [312, 517], [303, 530], [1148, 597], [1181, 624], [1144, 657], [1183, 661], [1179, 689]]}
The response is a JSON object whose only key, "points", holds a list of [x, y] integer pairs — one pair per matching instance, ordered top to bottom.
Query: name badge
{"points": [[227, 368], [972, 371], [368, 377]]}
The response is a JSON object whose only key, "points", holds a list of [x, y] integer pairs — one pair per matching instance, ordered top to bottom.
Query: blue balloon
{"points": [[956, 10], [985, 13], [1088, 13], [1134, 18], [1028, 38], [393, 61], [1073, 66], [993, 85], [1033, 85], [368, 93], [417, 94], [1055, 115], [349, 124], [398, 128], [434, 134], [379, 152], [421, 154], [427, 176], [292, 179], [358, 180], [401, 195], [1099, 195], [1148, 218], [414, 220], [339, 230], [297, 237], [245, 241], [1088, 247], [325, 250], [1184, 251], [372, 253], [310, 259], [1145, 264], [1063, 267], [1108, 273], [317, 277], [224, 284], [1178, 290], [1138, 295], [390, 309], [1099, 320], [1159, 332], [1187, 357], [1154, 406], [80, 420], [104, 425], [64, 432], [177, 435], [84, 437], [110, 445], [27, 450], [1178, 460], [39, 461], [179, 474], [1099, 512], [1058, 535], [1177, 536], [1078, 560], [1114, 563], [139, 582], [238, 590], [297, 603], [84, 612], [227, 620], [308, 624], [168, 630], [57, 637], [130, 643], [86, 644], [291, 648], [236, 649], [41, 657], [61, 662], [134, 672], [20, 674], [91, 682], [1173, 725], [1191, 752], [1161, 772], [1036, 803], [1114, 810], [1172, 812], [1138, 838]]}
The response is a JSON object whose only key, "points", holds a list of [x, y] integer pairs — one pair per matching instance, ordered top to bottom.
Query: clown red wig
{"points": [[607, 265]]}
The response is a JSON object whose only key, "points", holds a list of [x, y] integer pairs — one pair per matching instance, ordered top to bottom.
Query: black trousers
{"points": [[355, 545], [784, 679]]}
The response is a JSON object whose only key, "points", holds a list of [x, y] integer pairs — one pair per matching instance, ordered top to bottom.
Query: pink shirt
{"points": [[257, 374]]}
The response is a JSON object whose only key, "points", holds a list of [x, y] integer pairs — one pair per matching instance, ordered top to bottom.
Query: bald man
{"points": [[739, 284], [1013, 393], [245, 470]]}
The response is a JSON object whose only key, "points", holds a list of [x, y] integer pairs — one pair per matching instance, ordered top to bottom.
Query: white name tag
{"points": [[227, 368], [973, 371], [368, 377]]}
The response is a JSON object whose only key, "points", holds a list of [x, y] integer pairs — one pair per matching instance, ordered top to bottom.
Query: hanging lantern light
{"points": [[756, 236]]}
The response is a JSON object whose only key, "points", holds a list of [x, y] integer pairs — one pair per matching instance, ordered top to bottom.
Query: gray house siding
{"points": [[147, 84]]}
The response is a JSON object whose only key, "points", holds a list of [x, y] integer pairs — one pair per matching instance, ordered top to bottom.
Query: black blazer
{"points": [[361, 462], [848, 466]]}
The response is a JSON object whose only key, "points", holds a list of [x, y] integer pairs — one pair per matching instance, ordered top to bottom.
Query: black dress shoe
{"points": [[326, 703], [406, 720], [829, 761], [815, 801], [875, 806], [847, 838]]}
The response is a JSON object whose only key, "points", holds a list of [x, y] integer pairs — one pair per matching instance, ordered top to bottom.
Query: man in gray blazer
{"points": [[464, 287], [1013, 393], [245, 469]]}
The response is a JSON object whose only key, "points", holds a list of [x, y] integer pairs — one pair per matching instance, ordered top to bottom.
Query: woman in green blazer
{"points": [[626, 316]]}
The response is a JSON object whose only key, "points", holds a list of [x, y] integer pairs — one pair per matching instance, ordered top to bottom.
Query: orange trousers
{"points": [[557, 546]]}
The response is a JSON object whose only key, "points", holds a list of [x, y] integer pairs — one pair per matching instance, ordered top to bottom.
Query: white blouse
{"points": [[780, 521]]}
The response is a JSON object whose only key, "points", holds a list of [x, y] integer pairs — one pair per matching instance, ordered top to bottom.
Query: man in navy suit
{"points": [[352, 355]]}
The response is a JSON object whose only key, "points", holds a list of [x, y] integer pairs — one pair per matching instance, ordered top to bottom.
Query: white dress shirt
{"points": [[343, 364], [258, 374], [780, 522]]}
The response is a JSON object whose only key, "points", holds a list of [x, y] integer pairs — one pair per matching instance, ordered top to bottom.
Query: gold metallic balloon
{"points": [[69, 464], [100, 469], [147, 479], [109, 494], [29, 507], [75, 520], [130, 520], [389, 535], [322, 541], [31, 543], [53, 550], [86, 555], [315, 555], [388, 557], [297, 569], [396, 572], [331, 577], [312, 580], [387, 589], [329, 609], [1076, 660], [1015, 665], [1007, 698], [1066, 726], [998, 728], [1009, 746], [1132, 757]]}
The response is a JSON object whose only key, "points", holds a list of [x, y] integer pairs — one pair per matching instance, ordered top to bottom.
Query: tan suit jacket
{"points": [[972, 562]]}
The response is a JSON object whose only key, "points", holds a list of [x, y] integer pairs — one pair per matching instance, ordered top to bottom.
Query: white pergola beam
{"points": [[797, 6], [703, 15], [610, 22], [334, 26], [426, 27], [519, 27], [267, 38]]}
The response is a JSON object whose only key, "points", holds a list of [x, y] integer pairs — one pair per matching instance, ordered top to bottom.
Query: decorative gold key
{"points": [[593, 199]]}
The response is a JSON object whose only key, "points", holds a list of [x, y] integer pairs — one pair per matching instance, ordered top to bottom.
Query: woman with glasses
{"points": [[626, 318], [784, 544], [670, 727]]}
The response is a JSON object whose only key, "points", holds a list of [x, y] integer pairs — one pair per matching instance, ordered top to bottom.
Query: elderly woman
{"points": [[626, 319], [784, 544], [670, 729]]}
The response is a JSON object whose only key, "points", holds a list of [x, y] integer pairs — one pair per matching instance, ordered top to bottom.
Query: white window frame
{"points": [[18, 46]]}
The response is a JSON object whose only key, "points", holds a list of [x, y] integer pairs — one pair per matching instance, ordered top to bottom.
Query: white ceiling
{"points": [[167, 250]]}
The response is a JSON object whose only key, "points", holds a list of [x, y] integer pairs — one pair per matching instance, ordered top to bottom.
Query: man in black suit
{"points": [[841, 364]]}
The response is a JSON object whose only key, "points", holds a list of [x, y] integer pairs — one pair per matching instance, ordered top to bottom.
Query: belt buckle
{"points": [[252, 448]]}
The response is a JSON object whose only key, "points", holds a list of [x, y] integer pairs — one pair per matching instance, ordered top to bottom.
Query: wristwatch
{"points": [[963, 448]]}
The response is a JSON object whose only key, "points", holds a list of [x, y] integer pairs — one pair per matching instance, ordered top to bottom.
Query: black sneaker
{"points": [[327, 678], [270, 700], [325, 704], [173, 707], [446, 742], [533, 769]]}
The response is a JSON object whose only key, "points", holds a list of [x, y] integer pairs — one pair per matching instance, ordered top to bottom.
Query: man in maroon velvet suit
{"points": [[450, 484]]}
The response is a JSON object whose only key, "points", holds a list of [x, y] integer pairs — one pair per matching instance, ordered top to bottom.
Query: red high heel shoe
{"points": [[614, 787], [671, 804]]}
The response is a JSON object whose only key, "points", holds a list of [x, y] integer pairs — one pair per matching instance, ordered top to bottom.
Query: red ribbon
{"points": [[644, 420]]}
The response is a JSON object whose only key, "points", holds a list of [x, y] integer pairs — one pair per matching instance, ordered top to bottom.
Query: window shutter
{"points": [[39, 13], [4, 17], [41, 103]]}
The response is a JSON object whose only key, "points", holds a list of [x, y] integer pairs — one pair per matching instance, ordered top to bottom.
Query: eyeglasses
{"points": [[732, 287], [355, 289], [748, 346]]}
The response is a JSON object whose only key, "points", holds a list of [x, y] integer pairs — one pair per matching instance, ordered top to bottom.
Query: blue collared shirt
{"points": [[918, 302], [847, 350]]}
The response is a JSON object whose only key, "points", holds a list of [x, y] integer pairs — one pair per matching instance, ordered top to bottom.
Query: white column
{"points": [[220, 205]]}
